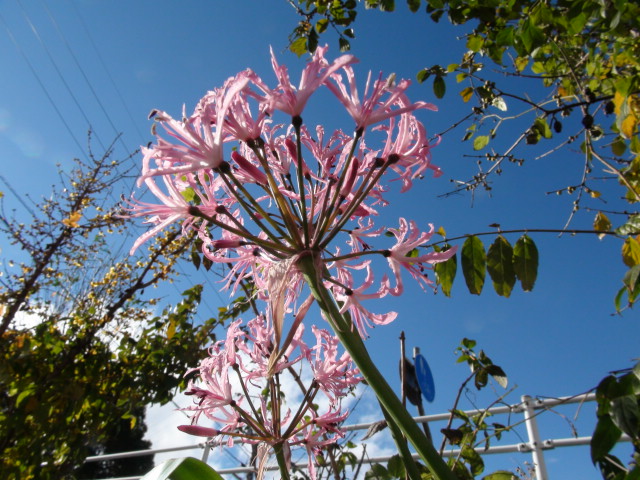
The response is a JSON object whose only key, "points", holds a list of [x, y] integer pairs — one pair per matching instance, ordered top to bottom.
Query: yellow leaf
{"points": [[521, 63], [562, 92], [466, 94], [618, 100], [628, 126], [594, 194], [72, 221], [602, 224], [441, 232], [631, 251], [171, 330]]}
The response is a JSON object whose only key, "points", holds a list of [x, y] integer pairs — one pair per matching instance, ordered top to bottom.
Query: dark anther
{"points": [[153, 113], [296, 121], [393, 158], [378, 162], [224, 167], [221, 209], [193, 211], [256, 252], [386, 253], [348, 292]]}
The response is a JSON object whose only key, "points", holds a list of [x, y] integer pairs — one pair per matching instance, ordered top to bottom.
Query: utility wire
{"points": [[36, 33], [104, 66], [82, 71], [44, 89]]}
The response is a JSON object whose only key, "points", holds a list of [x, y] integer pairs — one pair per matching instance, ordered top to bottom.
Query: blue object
{"points": [[425, 379]]}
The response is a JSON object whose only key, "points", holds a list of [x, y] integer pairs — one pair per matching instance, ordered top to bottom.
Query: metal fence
{"points": [[528, 407]]}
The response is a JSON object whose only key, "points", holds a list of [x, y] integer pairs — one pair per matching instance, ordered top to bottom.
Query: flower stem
{"points": [[352, 342], [282, 462]]}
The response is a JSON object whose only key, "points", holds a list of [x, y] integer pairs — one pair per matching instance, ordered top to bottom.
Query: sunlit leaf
{"points": [[475, 42], [298, 46], [521, 63], [466, 94], [480, 142], [601, 224], [631, 227], [631, 251], [525, 262], [474, 264], [500, 266], [446, 272], [187, 468], [500, 475]]}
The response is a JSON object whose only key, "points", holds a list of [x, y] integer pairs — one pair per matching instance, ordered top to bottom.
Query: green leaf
{"points": [[387, 5], [414, 5], [321, 25], [531, 35], [312, 41], [475, 43], [298, 46], [345, 46], [521, 63], [423, 74], [439, 87], [466, 94], [542, 127], [480, 142], [618, 146], [188, 194], [631, 227], [631, 252], [525, 262], [474, 264], [500, 266], [446, 272], [498, 375], [626, 415], [604, 438], [474, 460], [396, 467], [186, 468], [377, 472], [500, 475]]}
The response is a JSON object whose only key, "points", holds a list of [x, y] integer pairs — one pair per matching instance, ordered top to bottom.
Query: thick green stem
{"points": [[352, 342], [403, 449], [282, 462]]}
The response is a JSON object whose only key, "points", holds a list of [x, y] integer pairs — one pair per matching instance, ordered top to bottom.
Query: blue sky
{"points": [[120, 60]]}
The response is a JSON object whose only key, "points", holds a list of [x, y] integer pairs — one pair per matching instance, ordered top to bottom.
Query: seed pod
{"points": [[609, 107], [587, 121], [557, 126]]}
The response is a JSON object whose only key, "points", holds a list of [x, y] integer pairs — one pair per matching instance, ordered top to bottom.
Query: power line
{"points": [[36, 33], [104, 66], [83, 73], [41, 83]]}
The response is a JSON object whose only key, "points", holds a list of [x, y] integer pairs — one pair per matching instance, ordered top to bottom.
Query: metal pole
{"points": [[534, 438]]}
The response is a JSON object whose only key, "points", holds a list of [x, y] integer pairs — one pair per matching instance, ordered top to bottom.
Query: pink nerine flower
{"points": [[289, 99], [373, 108], [401, 255]]}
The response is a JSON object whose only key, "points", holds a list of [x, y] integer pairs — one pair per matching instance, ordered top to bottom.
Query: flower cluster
{"points": [[270, 201], [257, 202], [239, 387]]}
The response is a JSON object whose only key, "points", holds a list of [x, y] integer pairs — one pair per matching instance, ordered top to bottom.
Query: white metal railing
{"points": [[527, 407]]}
